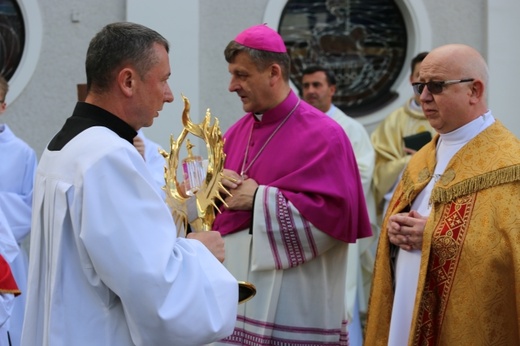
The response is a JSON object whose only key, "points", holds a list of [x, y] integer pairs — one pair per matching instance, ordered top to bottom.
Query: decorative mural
{"points": [[12, 37], [363, 41]]}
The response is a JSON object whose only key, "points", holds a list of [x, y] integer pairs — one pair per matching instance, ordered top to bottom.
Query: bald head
{"points": [[461, 59], [458, 103]]}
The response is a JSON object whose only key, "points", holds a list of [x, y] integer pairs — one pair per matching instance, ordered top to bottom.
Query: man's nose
{"points": [[232, 86], [168, 95]]}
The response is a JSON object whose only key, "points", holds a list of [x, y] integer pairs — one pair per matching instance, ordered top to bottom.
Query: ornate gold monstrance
{"points": [[204, 188]]}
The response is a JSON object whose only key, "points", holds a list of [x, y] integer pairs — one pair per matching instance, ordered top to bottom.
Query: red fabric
{"points": [[310, 160], [442, 264], [7, 282]]}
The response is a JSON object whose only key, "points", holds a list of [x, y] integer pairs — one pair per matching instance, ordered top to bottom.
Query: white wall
{"points": [[178, 22], [503, 60], [48, 95]]}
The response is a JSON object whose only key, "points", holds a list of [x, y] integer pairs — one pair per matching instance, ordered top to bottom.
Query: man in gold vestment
{"points": [[387, 138], [447, 269]]}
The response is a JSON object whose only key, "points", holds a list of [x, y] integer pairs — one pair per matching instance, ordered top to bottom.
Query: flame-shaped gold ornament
{"points": [[206, 190]]}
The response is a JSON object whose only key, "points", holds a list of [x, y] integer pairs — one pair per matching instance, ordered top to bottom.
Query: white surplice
{"points": [[154, 160], [17, 169], [360, 260], [106, 267], [304, 302]]}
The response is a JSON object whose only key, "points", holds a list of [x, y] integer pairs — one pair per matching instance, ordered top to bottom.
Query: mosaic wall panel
{"points": [[12, 37], [363, 41]]}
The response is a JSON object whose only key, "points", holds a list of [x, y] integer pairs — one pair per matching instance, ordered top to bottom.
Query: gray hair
{"points": [[118, 44], [261, 58]]}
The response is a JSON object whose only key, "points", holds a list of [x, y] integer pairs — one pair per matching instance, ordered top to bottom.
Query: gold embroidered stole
{"points": [[490, 159], [479, 165], [446, 247]]}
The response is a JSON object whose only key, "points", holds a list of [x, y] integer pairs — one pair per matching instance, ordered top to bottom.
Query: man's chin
{"points": [[246, 107], [149, 123]]}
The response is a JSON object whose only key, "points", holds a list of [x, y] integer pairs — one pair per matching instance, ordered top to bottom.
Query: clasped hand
{"points": [[242, 190], [406, 230]]}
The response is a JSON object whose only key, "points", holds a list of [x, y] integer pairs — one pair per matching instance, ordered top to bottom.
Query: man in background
{"points": [[318, 89], [391, 154], [17, 169]]}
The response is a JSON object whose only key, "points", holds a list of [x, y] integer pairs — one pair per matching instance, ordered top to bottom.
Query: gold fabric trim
{"points": [[447, 177], [472, 185], [446, 248]]}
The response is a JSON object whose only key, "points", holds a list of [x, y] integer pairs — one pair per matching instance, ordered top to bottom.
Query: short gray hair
{"points": [[117, 44], [261, 58]]}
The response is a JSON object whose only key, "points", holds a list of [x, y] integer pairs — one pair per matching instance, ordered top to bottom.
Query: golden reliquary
{"points": [[202, 181]]}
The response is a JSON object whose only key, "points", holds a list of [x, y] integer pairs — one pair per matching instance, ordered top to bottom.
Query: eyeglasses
{"points": [[436, 87]]}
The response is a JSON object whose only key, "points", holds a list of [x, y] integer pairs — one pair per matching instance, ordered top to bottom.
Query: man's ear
{"points": [[275, 72], [410, 78], [126, 81], [332, 89], [477, 91], [3, 107]]}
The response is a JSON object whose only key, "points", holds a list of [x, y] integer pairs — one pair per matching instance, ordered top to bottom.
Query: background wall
{"points": [[199, 30], [502, 57], [49, 97]]}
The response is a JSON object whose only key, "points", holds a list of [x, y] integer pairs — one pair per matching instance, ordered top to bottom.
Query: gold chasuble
{"points": [[469, 281]]}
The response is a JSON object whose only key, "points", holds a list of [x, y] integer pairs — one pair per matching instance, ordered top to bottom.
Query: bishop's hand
{"points": [[243, 195]]}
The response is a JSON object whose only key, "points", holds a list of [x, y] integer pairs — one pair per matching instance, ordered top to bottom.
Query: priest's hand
{"points": [[409, 151], [230, 179], [242, 196], [406, 230], [213, 241]]}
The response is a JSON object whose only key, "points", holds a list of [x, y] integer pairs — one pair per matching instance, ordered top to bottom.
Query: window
{"points": [[12, 37], [364, 42]]}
